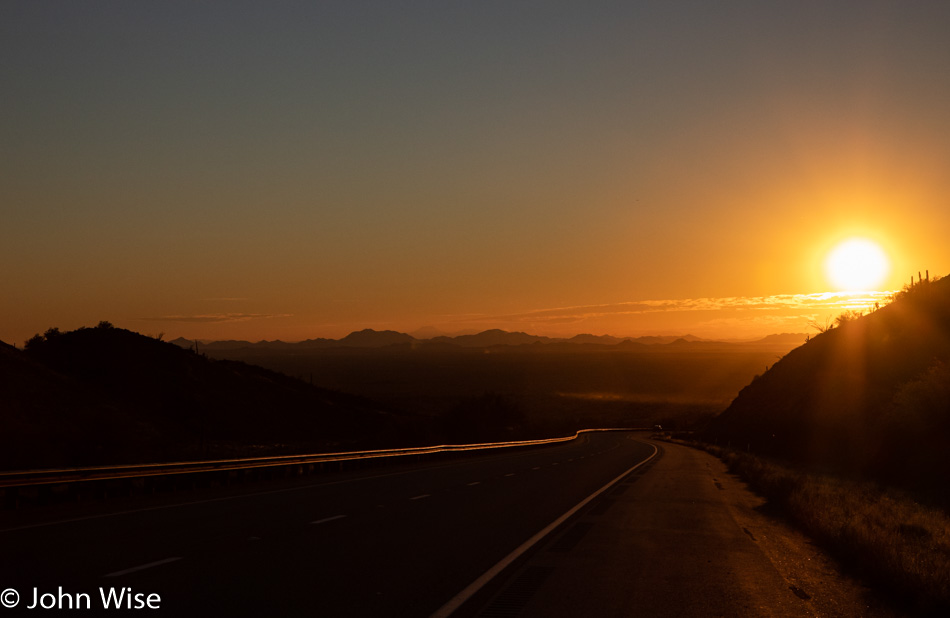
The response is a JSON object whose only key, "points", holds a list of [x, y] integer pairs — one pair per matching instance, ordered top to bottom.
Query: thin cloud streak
{"points": [[839, 301], [215, 318]]}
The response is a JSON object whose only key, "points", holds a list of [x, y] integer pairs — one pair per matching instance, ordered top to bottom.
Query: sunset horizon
{"points": [[306, 171], [733, 318]]}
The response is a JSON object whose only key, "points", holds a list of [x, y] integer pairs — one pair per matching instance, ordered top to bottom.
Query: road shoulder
{"points": [[683, 537]]}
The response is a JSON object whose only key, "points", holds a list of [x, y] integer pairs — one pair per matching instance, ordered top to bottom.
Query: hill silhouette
{"points": [[369, 338], [491, 338], [108, 395], [870, 397], [46, 417]]}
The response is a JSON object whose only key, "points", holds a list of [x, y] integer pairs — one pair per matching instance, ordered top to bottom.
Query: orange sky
{"points": [[296, 172]]}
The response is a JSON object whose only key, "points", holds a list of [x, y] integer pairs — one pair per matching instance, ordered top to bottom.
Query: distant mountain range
{"points": [[369, 338]]}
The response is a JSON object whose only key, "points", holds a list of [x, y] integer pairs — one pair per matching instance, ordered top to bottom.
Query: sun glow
{"points": [[857, 264]]}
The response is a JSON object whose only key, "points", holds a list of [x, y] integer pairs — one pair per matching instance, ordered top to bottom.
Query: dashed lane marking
{"points": [[326, 519], [142, 567]]}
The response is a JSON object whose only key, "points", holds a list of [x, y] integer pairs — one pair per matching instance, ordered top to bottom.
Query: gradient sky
{"points": [[293, 170]]}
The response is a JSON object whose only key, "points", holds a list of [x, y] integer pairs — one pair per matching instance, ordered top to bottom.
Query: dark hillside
{"points": [[107, 395], [870, 397], [47, 418]]}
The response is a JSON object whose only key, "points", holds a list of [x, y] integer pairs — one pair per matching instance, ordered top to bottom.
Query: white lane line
{"points": [[554, 464], [536, 468], [510, 474], [474, 483], [420, 497], [326, 519], [142, 567], [458, 600]]}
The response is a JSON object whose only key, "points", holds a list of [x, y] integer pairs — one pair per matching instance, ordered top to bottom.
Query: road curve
{"points": [[400, 540]]}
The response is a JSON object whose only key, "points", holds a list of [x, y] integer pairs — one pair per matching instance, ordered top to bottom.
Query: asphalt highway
{"points": [[392, 541]]}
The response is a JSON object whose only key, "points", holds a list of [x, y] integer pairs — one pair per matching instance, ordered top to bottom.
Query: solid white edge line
{"points": [[326, 519], [142, 567], [458, 600]]}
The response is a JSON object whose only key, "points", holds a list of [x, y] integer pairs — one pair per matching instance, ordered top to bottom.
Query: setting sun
{"points": [[857, 264]]}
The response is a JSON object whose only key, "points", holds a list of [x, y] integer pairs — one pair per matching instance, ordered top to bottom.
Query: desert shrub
{"points": [[848, 316], [924, 403], [898, 544]]}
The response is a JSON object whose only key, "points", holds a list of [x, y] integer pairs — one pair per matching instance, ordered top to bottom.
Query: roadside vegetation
{"points": [[899, 546]]}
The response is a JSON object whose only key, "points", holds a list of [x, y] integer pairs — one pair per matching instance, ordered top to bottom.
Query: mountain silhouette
{"points": [[493, 337], [369, 338], [585, 338], [783, 338], [665, 339], [181, 342], [870, 397]]}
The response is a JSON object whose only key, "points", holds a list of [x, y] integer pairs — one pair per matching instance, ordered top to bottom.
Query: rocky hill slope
{"points": [[870, 396]]}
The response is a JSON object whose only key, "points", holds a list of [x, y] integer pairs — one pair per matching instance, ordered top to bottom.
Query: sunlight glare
{"points": [[857, 264]]}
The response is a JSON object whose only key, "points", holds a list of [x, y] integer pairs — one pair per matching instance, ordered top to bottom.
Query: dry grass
{"points": [[900, 546]]}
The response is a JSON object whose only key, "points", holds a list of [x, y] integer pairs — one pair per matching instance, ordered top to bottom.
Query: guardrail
{"points": [[47, 485]]}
